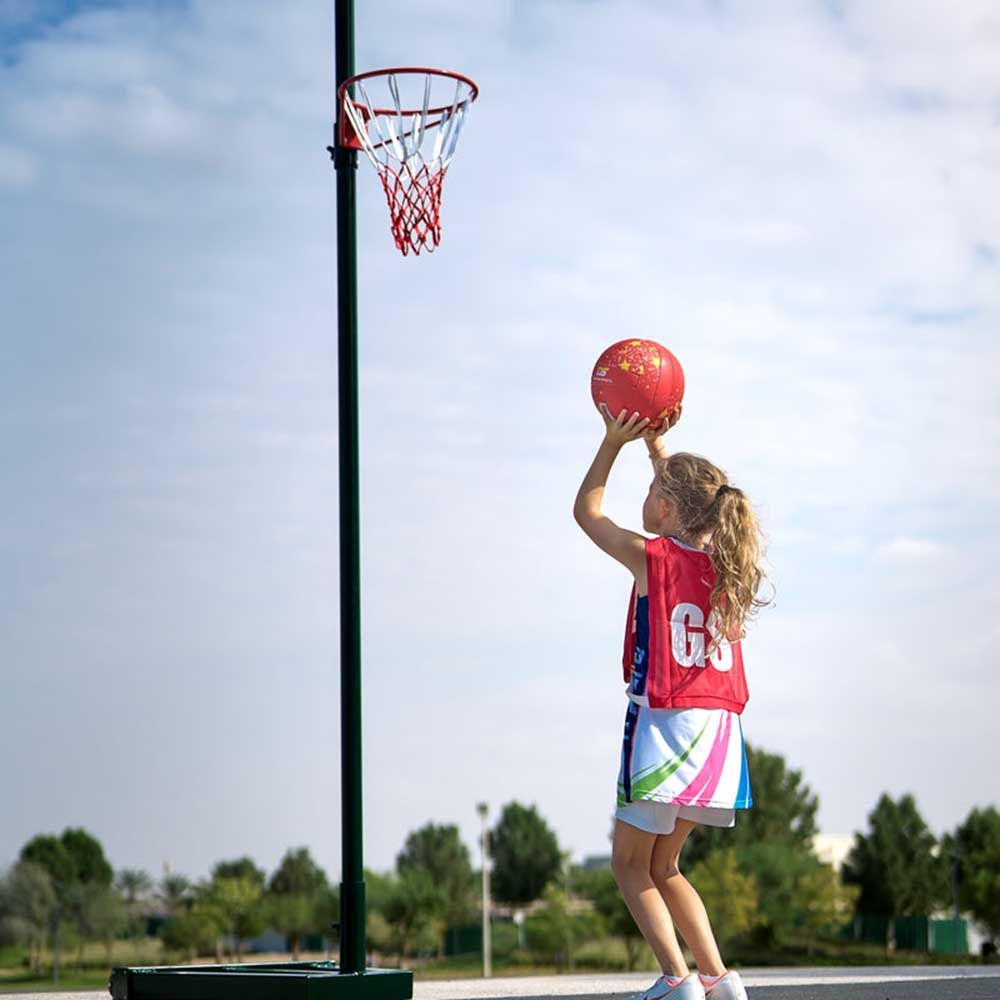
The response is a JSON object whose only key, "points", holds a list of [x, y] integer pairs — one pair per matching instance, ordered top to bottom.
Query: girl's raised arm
{"points": [[628, 547]]}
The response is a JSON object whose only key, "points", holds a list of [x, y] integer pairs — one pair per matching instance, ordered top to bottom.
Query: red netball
{"points": [[638, 375]]}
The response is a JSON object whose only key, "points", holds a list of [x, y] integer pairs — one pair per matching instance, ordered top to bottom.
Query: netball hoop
{"points": [[407, 120]]}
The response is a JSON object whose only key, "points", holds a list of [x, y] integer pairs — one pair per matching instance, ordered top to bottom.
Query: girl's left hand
{"points": [[623, 428], [651, 434]]}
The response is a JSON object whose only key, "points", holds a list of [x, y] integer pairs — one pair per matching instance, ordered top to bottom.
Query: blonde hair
{"points": [[705, 503]]}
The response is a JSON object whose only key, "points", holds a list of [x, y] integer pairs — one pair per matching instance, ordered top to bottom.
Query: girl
{"points": [[683, 760]]}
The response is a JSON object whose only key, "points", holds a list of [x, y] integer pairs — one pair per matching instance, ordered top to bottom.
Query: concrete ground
{"points": [[977, 982], [885, 983]]}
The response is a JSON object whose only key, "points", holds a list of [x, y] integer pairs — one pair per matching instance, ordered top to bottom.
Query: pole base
{"points": [[260, 981]]}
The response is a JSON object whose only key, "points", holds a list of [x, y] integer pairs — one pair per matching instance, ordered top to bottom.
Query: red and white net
{"points": [[408, 122]]}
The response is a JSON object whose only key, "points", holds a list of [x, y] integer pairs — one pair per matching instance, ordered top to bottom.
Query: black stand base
{"points": [[266, 981]]}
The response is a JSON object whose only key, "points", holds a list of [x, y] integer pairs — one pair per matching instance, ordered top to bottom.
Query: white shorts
{"points": [[660, 817]]}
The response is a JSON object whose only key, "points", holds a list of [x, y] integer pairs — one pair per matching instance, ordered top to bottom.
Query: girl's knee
{"points": [[631, 850], [626, 865], [664, 865], [662, 873]]}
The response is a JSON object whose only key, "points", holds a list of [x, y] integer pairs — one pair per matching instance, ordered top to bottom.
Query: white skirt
{"points": [[682, 762], [661, 817]]}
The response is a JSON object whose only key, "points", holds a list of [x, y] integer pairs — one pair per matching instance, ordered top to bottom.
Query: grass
{"points": [[93, 973]]}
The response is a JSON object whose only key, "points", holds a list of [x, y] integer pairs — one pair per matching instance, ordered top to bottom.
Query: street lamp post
{"points": [[483, 809]]}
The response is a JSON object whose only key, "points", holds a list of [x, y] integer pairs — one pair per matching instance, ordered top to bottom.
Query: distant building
{"points": [[833, 848]]}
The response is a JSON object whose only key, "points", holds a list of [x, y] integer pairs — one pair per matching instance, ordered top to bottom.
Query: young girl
{"points": [[683, 760]]}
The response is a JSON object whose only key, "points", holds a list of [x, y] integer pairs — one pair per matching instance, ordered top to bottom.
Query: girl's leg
{"points": [[631, 853], [683, 901]]}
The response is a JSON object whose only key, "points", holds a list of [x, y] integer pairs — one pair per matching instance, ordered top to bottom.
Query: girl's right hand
{"points": [[624, 428]]}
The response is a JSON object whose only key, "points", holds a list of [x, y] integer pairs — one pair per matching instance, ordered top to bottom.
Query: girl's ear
{"points": [[665, 509]]}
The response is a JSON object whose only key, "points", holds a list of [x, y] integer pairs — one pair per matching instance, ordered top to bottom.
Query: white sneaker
{"points": [[729, 987], [688, 988]]}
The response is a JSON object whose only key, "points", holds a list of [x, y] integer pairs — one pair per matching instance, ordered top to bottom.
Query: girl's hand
{"points": [[624, 427], [652, 432], [654, 437]]}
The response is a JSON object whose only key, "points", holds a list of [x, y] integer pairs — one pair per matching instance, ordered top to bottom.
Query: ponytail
{"points": [[706, 504], [736, 555]]}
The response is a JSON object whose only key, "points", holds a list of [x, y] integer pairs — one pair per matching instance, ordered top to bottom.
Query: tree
{"points": [[784, 812], [439, 851], [975, 851], [50, 853], [526, 854], [74, 857], [89, 863], [894, 865], [239, 868], [777, 870], [297, 875], [133, 884], [601, 887], [379, 888], [236, 890], [175, 893], [294, 896], [730, 896], [27, 899], [238, 900], [824, 901], [328, 908], [414, 908], [99, 914], [294, 915], [554, 929], [194, 931], [378, 934]]}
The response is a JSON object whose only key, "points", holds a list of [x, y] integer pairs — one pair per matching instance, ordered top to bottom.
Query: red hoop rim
{"points": [[342, 89]]}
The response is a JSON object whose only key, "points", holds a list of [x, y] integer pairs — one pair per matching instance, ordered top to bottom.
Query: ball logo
{"points": [[687, 638]]}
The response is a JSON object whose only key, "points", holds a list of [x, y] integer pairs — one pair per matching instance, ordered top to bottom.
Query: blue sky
{"points": [[798, 201]]}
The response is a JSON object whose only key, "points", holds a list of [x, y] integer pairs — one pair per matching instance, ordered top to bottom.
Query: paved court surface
{"points": [[976, 982], [798, 983]]}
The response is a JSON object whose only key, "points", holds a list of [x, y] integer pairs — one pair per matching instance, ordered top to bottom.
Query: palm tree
{"points": [[133, 884], [175, 893]]}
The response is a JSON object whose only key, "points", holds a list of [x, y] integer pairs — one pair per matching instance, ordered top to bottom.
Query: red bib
{"points": [[679, 672]]}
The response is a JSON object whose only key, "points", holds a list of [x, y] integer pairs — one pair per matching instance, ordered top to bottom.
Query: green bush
{"points": [[503, 937]]}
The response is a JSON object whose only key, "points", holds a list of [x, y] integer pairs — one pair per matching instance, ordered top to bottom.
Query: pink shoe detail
{"points": [[727, 987], [667, 988]]}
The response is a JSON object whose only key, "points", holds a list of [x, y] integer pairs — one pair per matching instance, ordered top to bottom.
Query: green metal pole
{"points": [[352, 886]]}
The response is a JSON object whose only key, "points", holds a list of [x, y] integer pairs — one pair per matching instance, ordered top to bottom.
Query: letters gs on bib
{"points": [[687, 638]]}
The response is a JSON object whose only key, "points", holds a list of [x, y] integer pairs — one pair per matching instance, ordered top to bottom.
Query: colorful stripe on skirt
{"points": [[688, 756]]}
